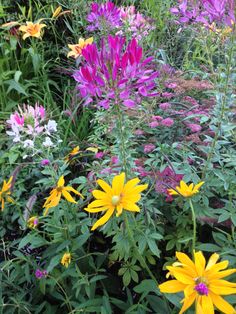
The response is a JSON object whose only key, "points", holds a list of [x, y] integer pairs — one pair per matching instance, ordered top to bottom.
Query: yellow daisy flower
{"points": [[32, 29], [76, 50], [71, 154], [60, 190], [186, 190], [5, 192], [117, 197], [33, 222], [66, 259], [201, 283]]}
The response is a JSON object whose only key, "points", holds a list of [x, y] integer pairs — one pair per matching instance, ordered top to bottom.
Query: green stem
{"points": [[122, 139], [122, 149], [194, 226], [140, 257], [67, 300]]}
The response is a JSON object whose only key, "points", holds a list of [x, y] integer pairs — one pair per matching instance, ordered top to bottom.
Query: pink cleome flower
{"points": [[105, 16], [116, 74]]}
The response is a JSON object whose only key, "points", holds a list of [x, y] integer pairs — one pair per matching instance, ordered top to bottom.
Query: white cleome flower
{"points": [[51, 127], [48, 142], [28, 143]]}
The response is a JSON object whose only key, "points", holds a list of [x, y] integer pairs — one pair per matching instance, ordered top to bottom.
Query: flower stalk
{"points": [[122, 149], [194, 226]]}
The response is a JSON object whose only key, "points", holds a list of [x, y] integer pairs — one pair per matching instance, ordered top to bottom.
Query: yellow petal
{"points": [[23, 28], [26, 35], [89, 41], [81, 42], [61, 181], [118, 184], [130, 184], [183, 186], [197, 186], [106, 187], [70, 188], [139, 188], [172, 192], [99, 194], [68, 197], [98, 203], [131, 207], [96, 209], [119, 209], [46, 211], [103, 220], [184, 259], [212, 260], [200, 263], [217, 267], [181, 274], [221, 274], [223, 283], [172, 286], [222, 290], [188, 302], [221, 304], [207, 305]]}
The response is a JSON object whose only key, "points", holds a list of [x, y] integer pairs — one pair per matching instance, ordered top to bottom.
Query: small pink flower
{"points": [[171, 85], [167, 95], [165, 106], [157, 118], [167, 122], [153, 124], [194, 127], [139, 132], [149, 148], [99, 155], [114, 160], [45, 162], [142, 172]]}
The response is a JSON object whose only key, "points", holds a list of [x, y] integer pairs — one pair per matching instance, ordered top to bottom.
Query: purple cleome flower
{"points": [[205, 11], [105, 16], [116, 73]]}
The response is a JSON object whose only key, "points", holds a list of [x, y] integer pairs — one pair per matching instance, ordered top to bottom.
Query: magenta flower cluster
{"points": [[205, 11], [105, 16], [117, 73]]}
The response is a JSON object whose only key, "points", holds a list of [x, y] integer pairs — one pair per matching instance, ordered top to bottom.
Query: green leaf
{"points": [[208, 247], [53, 263], [126, 278], [146, 286]]}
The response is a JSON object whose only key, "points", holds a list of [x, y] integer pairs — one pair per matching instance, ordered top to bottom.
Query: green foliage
{"points": [[117, 268]]}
